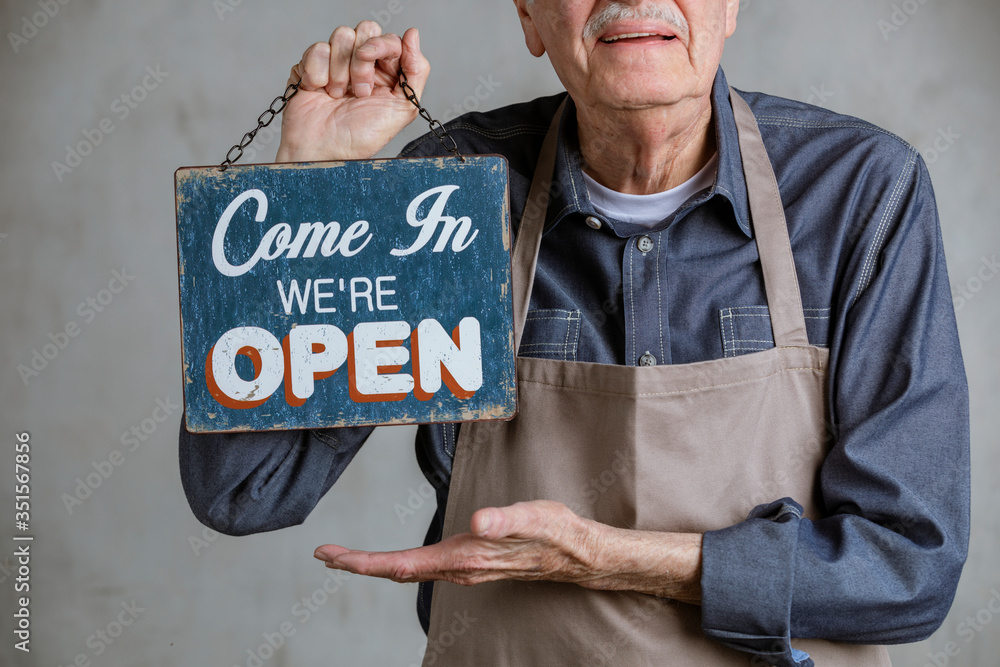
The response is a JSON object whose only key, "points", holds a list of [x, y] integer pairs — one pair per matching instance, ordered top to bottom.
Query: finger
{"points": [[385, 48], [384, 51], [413, 62], [339, 63], [315, 66], [363, 71], [525, 520], [328, 552], [407, 565]]}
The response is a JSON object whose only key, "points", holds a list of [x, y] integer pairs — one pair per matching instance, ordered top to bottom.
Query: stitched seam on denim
{"points": [[816, 124], [506, 133], [572, 181], [726, 191], [732, 198], [567, 207], [883, 223], [869, 265], [659, 298], [631, 302], [539, 312], [726, 317], [724, 322], [732, 332], [576, 334], [566, 338], [731, 346], [679, 391], [322, 437], [785, 510]]}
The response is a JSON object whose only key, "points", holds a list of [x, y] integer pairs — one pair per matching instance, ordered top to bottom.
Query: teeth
{"points": [[628, 36]]}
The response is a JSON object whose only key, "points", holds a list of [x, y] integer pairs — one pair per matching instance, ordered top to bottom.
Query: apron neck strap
{"points": [[766, 211], [770, 230], [529, 231]]}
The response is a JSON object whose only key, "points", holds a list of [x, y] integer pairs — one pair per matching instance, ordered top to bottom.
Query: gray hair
{"points": [[617, 11]]}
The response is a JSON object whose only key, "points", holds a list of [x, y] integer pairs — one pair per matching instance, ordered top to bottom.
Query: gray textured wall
{"points": [[62, 235]]}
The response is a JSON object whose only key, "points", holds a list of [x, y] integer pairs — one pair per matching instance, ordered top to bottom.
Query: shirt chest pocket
{"points": [[747, 329], [551, 333]]}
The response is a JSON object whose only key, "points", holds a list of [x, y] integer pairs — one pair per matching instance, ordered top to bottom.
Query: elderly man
{"points": [[743, 411]]}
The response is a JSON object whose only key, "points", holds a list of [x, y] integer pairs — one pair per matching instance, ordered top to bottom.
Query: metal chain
{"points": [[261, 123], [436, 128]]}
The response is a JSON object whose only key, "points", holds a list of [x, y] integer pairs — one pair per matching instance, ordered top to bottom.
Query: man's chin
{"points": [[643, 91], [638, 99]]}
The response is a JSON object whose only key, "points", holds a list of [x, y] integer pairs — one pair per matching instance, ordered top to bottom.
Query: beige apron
{"points": [[684, 448]]}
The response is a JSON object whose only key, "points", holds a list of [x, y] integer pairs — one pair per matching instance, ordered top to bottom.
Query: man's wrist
{"points": [[300, 154], [663, 564]]}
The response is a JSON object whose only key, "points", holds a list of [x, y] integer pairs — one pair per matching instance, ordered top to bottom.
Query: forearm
{"points": [[881, 562], [666, 565]]}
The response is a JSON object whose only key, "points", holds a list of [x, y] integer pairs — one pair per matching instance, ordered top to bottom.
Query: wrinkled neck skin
{"points": [[646, 150]]}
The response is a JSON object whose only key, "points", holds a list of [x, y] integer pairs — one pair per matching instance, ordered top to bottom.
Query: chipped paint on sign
{"points": [[319, 295]]}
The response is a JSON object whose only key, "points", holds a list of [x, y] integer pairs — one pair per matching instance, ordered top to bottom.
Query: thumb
{"points": [[413, 63], [490, 523]]}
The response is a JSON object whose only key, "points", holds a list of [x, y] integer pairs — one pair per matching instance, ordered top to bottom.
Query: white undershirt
{"points": [[649, 210]]}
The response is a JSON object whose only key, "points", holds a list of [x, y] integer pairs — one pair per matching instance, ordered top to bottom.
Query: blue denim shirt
{"points": [[883, 564]]}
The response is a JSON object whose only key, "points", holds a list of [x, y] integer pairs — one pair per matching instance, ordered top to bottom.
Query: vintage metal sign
{"points": [[342, 294]]}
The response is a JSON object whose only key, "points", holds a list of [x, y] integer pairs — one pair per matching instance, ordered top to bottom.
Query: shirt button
{"points": [[593, 222], [644, 244], [647, 360]]}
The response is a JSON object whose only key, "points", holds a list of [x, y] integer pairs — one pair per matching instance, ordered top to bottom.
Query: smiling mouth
{"points": [[636, 35]]}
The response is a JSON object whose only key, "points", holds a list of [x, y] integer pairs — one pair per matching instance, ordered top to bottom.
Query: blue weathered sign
{"points": [[340, 294]]}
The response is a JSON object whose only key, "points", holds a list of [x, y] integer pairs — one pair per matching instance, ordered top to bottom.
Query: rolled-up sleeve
{"points": [[242, 483], [882, 564]]}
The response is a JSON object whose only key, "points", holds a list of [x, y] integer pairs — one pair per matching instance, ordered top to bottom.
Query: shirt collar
{"points": [[570, 192]]}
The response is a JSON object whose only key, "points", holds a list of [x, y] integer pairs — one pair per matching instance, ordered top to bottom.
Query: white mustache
{"points": [[619, 11]]}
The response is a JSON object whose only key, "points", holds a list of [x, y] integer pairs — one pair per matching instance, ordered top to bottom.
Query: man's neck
{"points": [[648, 150]]}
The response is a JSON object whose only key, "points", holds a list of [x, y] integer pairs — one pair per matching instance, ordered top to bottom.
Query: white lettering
{"points": [[428, 226], [278, 240]]}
